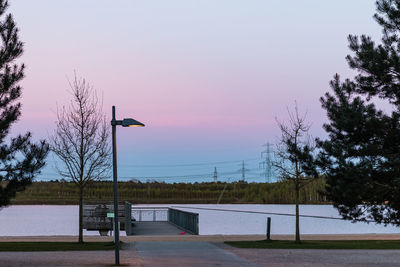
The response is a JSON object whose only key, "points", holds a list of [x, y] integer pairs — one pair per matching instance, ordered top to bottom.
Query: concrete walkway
{"points": [[155, 229], [187, 254]]}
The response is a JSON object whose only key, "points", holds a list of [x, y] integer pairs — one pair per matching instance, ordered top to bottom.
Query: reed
{"points": [[63, 193]]}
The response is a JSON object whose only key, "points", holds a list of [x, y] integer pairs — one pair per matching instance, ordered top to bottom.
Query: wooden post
{"points": [[269, 228]]}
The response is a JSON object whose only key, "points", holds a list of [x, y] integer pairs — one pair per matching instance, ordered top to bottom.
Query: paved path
{"points": [[155, 228], [194, 250], [187, 254], [203, 254], [319, 257]]}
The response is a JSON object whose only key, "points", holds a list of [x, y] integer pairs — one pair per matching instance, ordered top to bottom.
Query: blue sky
{"points": [[208, 78]]}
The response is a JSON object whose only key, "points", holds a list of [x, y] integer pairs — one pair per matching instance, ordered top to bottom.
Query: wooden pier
{"points": [[140, 220], [156, 228]]}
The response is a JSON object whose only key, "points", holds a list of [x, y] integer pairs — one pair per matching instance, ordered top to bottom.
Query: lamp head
{"points": [[131, 123]]}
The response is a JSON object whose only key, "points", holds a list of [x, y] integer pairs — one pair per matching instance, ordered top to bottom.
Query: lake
{"points": [[49, 220]]}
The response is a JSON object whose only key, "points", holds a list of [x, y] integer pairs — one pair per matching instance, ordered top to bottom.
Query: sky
{"points": [[207, 78]]}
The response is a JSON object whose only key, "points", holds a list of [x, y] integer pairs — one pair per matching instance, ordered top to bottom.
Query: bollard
{"points": [[269, 228]]}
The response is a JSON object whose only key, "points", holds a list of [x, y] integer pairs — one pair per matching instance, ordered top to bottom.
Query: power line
{"points": [[183, 165], [252, 170], [205, 175], [172, 176], [192, 178], [269, 213]]}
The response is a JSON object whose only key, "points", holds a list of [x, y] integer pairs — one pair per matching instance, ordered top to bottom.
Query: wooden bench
{"points": [[95, 217]]}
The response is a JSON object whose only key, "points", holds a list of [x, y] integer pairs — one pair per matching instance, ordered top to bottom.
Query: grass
{"points": [[318, 244], [54, 246]]}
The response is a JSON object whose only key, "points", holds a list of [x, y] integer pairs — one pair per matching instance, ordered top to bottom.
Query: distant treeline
{"points": [[62, 192]]}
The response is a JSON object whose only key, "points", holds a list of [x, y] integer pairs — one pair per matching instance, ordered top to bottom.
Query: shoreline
{"points": [[163, 203], [199, 238]]}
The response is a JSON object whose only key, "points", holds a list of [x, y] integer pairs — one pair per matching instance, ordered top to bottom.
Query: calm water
{"points": [[63, 220]]}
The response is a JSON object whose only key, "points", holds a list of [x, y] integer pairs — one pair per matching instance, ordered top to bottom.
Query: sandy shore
{"points": [[199, 238]]}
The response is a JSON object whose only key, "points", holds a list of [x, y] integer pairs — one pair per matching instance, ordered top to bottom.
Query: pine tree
{"points": [[361, 156], [20, 159]]}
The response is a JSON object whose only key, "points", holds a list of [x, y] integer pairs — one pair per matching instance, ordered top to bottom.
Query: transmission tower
{"points": [[266, 163], [243, 171], [215, 174]]}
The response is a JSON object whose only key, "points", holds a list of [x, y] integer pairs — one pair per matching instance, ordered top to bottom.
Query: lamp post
{"points": [[124, 123]]}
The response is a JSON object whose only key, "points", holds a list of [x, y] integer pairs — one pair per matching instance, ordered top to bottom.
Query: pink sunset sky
{"points": [[207, 77]]}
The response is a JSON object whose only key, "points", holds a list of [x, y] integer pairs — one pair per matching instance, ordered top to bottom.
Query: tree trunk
{"points": [[80, 214], [297, 214]]}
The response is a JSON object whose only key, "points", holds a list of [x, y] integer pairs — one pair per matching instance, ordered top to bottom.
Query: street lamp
{"points": [[124, 123]]}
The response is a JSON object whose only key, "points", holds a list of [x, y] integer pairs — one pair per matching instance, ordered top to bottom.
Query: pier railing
{"points": [[149, 214], [188, 221]]}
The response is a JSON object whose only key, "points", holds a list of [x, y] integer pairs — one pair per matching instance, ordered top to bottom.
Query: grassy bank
{"points": [[62, 192], [319, 244], [55, 246]]}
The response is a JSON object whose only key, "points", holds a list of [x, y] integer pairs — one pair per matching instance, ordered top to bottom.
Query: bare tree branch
{"points": [[81, 139], [294, 158]]}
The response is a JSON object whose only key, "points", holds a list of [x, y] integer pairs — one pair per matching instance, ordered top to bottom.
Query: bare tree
{"points": [[81, 140], [294, 158]]}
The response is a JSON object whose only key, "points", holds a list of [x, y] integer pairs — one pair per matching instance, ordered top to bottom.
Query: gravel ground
{"points": [[318, 257], [67, 258]]}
